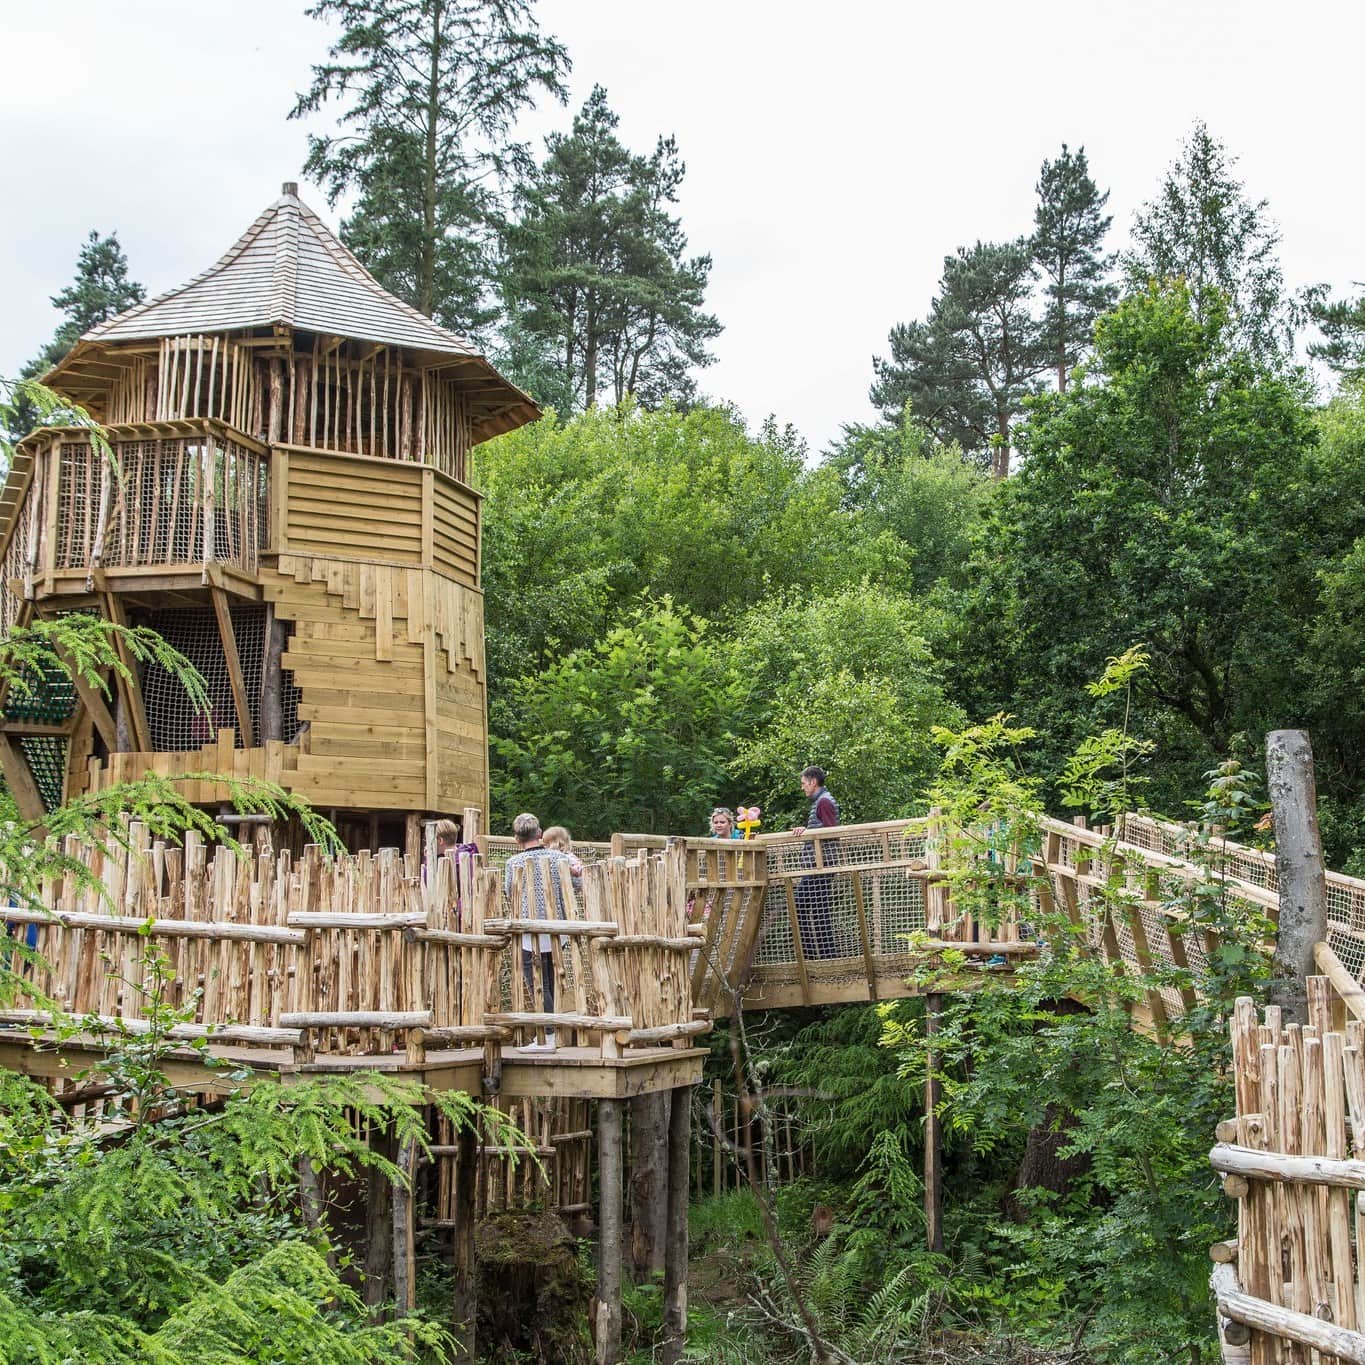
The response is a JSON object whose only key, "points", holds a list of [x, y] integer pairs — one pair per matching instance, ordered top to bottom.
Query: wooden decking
{"points": [[567, 1073]]}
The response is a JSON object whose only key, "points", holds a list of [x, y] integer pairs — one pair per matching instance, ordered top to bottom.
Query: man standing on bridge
{"points": [[814, 895]]}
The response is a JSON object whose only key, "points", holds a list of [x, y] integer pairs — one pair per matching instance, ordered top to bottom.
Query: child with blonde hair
{"points": [[557, 837]]}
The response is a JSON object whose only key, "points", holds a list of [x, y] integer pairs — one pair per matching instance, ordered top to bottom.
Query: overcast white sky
{"points": [[835, 153]]}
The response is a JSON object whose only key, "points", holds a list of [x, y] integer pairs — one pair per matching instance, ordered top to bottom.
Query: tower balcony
{"points": [[169, 501], [189, 504]]}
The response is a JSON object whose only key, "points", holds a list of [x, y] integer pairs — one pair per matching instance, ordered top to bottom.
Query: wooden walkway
{"points": [[889, 913], [299, 966]]}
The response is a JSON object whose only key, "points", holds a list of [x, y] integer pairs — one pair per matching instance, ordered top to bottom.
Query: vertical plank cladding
{"points": [[353, 507], [455, 531]]}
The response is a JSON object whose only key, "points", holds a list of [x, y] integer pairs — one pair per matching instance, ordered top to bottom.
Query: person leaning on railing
{"points": [[541, 866], [814, 895]]}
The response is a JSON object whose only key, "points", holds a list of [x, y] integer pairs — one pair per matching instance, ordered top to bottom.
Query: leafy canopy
{"points": [[631, 733]]}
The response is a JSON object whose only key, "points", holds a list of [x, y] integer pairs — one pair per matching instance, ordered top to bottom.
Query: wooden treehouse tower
{"points": [[289, 507]]}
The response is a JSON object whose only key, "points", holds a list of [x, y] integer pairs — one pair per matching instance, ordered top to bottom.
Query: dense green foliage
{"points": [[682, 612], [170, 1232]]}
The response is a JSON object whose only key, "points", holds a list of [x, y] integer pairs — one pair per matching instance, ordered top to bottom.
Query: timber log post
{"points": [[1299, 865], [649, 1157], [379, 1221], [675, 1229], [609, 1233], [404, 1260], [464, 1304]]}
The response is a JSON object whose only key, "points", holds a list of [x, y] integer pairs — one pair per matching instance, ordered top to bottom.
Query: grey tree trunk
{"points": [[1298, 859]]}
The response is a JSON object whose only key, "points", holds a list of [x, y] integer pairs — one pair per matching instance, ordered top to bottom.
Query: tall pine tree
{"points": [[431, 90], [1203, 229], [1068, 233], [596, 271], [100, 290], [1342, 324], [966, 369]]}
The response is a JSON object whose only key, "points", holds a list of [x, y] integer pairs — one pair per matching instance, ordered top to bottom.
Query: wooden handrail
{"points": [[1345, 985]]}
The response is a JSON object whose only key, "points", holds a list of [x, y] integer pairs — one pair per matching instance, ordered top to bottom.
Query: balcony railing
{"points": [[187, 493], [168, 497]]}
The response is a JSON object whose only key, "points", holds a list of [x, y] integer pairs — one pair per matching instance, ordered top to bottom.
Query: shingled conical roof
{"points": [[286, 268], [288, 271]]}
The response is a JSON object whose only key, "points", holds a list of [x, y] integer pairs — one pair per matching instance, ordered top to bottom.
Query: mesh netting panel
{"points": [[172, 501], [13, 571], [291, 694], [49, 697], [174, 724], [46, 756], [501, 848], [870, 866], [1345, 895], [1349, 947]]}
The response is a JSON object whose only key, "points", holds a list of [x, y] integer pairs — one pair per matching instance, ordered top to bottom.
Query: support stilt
{"points": [[649, 1128], [378, 1225], [609, 1233], [675, 1236], [404, 1250], [464, 1297]]}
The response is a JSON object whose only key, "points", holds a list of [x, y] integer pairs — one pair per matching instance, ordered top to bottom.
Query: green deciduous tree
{"points": [[431, 90], [1069, 226], [1203, 228], [596, 268], [101, 290], [966, 369], [1179, 500], [915, 502], [584, 516], [846, 681], [631, 733]]}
